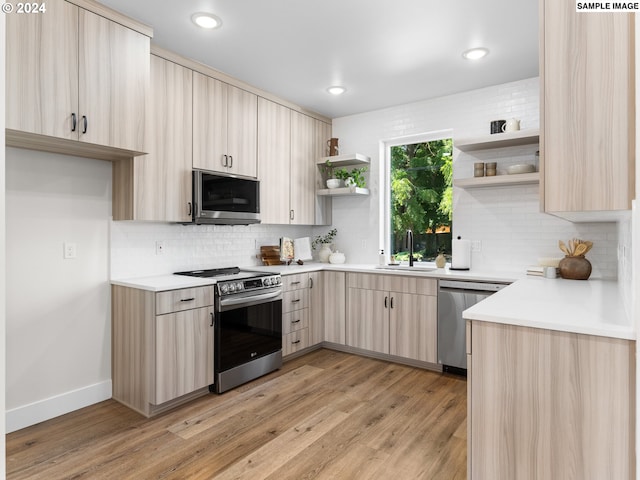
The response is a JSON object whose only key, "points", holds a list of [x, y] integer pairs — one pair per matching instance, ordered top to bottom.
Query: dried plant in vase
{"points": [[574, 265]]}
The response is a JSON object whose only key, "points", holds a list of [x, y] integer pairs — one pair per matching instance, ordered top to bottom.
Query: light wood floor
{"points": [[327, 415]]}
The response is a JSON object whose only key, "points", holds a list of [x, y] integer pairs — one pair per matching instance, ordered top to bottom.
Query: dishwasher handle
{"points": [[465, 286]]}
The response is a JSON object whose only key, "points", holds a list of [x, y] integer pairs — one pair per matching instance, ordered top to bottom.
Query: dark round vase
{"points": [[575, 268]]}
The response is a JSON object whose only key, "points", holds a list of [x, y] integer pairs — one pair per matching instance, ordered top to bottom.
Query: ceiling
{"points": [[385, 52]]}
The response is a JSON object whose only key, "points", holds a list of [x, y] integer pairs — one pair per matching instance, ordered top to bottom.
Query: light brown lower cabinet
{"points": [[334, 292], [393, 315], [162, 346], [549, 405]]}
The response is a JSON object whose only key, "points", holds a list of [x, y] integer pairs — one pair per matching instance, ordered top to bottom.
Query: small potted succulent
{"points": [[352, 178]]}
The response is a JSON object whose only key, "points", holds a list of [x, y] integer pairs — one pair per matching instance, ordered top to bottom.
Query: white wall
{"points": [[507, 221], [190, 247], [58, 311]]}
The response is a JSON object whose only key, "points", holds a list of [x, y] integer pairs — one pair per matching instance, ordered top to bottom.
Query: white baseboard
{"points": [[52, 407]]}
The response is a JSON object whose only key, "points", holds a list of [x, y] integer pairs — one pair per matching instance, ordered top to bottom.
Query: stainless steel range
{"points": [[247, 325]]}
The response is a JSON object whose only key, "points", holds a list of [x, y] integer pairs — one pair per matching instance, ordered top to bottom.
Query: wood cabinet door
{"points": [[114, 66], [42, 71], [588, 114], [209, 123], [242, 132], [274, 156], [303, 169], [163, 178], [323, 204], [335, 296], [317, 302], [368, 319], [413, 326], [183, 353]]}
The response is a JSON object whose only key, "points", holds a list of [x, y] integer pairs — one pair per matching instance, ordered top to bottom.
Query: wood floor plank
{"points": [[324, 415]]}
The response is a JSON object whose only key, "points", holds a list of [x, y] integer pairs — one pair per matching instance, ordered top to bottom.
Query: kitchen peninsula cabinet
{"points": [[77, 80], [588, 111], [225, 127], [158, 187], [393, 315], [162, 346], [549, 404]]}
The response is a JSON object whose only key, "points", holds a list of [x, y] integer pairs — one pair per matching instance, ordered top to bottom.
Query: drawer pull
{"points": [[295, 283], [187, 299], [295, 301], [295, 321], [295, 343]]}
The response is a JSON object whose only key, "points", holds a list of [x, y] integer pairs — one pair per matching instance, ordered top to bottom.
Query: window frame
{"points": [[384, 240]]}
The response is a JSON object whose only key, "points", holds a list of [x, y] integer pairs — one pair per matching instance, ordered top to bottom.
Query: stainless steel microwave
{"points": [[225, 199]]}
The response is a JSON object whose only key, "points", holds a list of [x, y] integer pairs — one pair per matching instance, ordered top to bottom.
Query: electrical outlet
{"points": [[476, 246], [159, 247], [70, 250]]}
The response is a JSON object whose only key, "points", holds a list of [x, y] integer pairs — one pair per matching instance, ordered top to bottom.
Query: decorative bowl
{"points": [[521, 168], [333, 183]]}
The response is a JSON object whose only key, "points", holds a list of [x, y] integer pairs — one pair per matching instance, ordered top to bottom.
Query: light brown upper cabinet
{"points": [[75, 75], [588, 111], [225, 123], [289, 144], [274, 157], [157, 187]]}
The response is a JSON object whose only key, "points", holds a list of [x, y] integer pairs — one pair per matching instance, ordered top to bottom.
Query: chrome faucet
{"points": [[409, 245]]}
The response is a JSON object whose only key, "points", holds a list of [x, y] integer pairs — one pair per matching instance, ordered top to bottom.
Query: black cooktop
{"points": [[212, 272]]}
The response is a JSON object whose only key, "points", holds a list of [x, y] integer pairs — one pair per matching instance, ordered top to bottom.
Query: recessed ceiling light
{"points": [[206, 20], [475, 53], [336, 90]]}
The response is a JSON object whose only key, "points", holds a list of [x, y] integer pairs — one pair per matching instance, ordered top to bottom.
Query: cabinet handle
{"points": [[74, 122], [85, 124], [231, 158], [225, 160], [190, 209], [291, 214], [310, 282], [295, 283], [187, 299], [295, 301], [386, 302], [391, 302], [295, 321], [211, 324], [295, 343]]}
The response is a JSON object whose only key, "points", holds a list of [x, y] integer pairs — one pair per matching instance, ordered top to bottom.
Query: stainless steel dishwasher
{"points": [[455, 296]]}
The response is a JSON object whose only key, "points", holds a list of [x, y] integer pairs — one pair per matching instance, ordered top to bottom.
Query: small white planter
{"points": [[333, 183]]}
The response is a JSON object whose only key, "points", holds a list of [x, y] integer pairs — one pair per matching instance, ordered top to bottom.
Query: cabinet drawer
{"points": [[295, 282], [396, 283], [183, 299], [296, 300], [296, 320], [295, 341]]}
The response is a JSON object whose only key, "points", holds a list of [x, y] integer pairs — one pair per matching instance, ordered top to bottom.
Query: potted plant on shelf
{"points": [[327, 169], [352, 178], [325, 242]]}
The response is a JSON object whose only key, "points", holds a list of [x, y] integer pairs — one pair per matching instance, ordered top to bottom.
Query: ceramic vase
{"points": [[325, 252], [441, 261], [575, 268]]}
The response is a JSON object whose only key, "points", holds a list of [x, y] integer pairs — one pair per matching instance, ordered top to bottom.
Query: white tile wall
{"points": [[507, 220], [189, 247], [625, 263]]}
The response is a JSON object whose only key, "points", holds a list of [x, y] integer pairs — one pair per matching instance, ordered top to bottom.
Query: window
{"points": [[419, 185]]}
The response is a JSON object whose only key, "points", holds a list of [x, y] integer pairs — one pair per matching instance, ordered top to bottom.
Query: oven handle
{"points": [[227, 302]]}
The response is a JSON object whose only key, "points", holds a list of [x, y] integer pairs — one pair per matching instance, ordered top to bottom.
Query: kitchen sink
{"points": [[406, 268]]}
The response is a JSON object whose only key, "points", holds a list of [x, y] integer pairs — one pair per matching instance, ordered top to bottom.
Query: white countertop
{"points": [[591, 307]]}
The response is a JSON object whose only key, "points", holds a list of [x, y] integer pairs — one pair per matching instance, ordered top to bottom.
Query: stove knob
{"points": [[277, 281], [266, 282], [239, 286], [232, 287], [224, 288]]}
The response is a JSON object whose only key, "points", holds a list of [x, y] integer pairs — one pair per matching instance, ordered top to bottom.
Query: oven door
{"points": [[247, 328]]}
